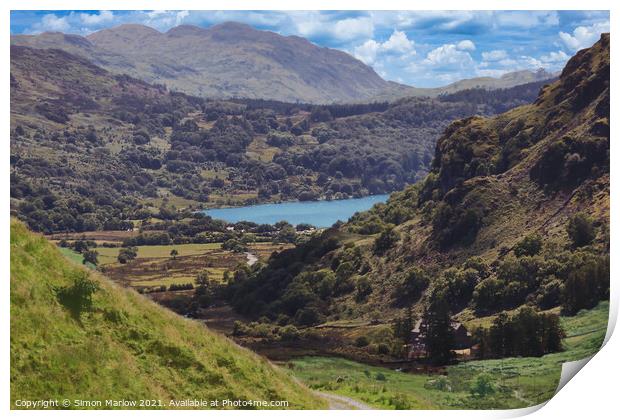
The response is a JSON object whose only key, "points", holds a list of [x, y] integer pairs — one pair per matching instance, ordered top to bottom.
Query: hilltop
{"points": [[76, 335]]}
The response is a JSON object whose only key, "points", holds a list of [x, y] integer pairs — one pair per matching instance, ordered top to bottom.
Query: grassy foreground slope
{"points": [[124, 346], [514, 382]]}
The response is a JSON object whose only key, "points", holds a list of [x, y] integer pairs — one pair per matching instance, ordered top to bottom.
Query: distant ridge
{"points": [[236, 60]]}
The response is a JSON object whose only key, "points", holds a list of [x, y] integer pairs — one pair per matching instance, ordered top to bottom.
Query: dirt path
{"points": [[338, 402]]}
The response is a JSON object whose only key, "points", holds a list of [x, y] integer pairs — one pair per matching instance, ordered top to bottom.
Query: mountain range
{"points": [[235, 60]]}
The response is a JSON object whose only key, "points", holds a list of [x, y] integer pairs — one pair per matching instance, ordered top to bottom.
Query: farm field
{"points": [[155, 267], [515, 382]]}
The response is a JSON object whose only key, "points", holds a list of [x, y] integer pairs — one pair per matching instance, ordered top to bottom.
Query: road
{"points": [[338, 402]]}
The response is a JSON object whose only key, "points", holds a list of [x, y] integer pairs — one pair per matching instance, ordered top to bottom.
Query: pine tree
{"points": [[439, 338]]}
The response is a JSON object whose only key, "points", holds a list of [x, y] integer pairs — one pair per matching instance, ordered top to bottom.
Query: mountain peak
{"points": [[232, 26], [186, 30], [125, 31]]}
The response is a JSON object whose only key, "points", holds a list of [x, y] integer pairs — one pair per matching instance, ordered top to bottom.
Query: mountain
{"points": [[235, 60], [223, 61], [516, 78], [514, 212], [76, 335]]}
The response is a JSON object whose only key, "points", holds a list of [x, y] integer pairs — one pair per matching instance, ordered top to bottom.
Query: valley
{"points": [[335, 241]]}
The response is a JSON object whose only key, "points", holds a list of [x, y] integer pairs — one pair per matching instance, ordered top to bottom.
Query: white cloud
{"points": [[96, 19], [52, 23], [316, 25], [584, 36], [398, 43], [466, 45], [367, 52], [448, 55], [494, 55], [555, 57]]}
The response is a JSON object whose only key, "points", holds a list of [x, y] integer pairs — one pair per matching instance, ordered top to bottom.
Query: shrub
{"points": [[580, 230], [385, 241], [528, 246], [364, 289], [78, 297], [289, 333], [361, 341], [383, 348], [482, 385]]}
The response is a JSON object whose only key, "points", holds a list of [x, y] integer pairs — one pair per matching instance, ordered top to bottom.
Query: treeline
{"points": [[498, 100], [527, 334]]}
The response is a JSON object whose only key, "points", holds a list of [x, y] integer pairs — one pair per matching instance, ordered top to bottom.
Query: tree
{"points": [[580, 230], [287, 234], [127, 254], [174, 254], [90, 256], [203, 278], [412, 285], [586, 285], [401, 328], [439, 338]]}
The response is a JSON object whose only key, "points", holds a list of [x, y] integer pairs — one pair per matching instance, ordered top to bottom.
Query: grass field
{"points": [[108, 255], [74, 257], [154, 266], [124, 346], [517, 382]]}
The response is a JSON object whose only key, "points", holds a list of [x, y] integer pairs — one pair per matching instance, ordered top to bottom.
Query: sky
{"points": [[419, 48]]}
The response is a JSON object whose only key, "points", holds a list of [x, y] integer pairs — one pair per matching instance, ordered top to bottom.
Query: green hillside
{"points": [[119, 345]]}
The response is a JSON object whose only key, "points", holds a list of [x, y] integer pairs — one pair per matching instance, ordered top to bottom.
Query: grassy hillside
{"points": [[122, 346], [516, 382]]}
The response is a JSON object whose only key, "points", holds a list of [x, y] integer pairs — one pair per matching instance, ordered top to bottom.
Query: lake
{"points": [[317, 213]]}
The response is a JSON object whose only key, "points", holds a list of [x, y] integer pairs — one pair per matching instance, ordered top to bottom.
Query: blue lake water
{"points": [[317, 213]]}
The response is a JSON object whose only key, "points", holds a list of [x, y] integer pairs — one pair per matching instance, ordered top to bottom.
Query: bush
{"points": [[580, 230], [385, 241], [528, 246], [364, 289], [78, 297], [308, 316], [289, 333], [361, 341], [383, 348], [482, 385]]}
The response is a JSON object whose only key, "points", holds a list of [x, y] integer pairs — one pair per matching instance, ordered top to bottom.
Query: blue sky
{"points": [[420, 48]]}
